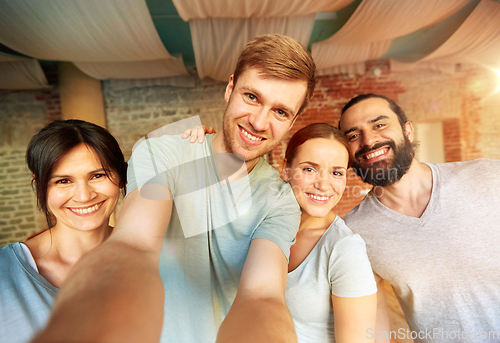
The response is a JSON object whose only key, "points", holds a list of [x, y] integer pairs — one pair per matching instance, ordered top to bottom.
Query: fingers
{"points": [[186, 133], [198, 133]]}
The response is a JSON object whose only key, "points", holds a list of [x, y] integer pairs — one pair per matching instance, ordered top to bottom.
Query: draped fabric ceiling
{"points": [[123, 39]]}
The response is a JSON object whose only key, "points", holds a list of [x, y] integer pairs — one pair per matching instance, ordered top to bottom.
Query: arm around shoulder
{"points": [[114, 293]]}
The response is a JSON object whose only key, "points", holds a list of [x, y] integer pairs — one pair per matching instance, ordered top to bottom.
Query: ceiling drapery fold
{"points": [[203, 9], [88, 31], [369, 32], [147, 39], [217, 43], [21, 73]]}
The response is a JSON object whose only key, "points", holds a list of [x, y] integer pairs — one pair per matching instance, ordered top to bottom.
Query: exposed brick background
{"points": [[463, 101], [133, 113], [22, 114]]}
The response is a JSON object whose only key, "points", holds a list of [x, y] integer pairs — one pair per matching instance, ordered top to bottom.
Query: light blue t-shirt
{"points": [[210, 230], [337, 265], [26, 298]]}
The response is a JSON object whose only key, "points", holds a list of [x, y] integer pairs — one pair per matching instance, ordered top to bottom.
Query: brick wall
{"points": [[462, 101], [133, 113], [22, 114]]}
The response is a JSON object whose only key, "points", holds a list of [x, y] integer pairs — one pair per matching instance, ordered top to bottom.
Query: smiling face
{"points": [[260, 111], [381, 151], [317, 175], [80, 194]]}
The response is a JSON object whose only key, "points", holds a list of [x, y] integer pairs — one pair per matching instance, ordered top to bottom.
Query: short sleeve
{"points": [[153, 162], [282, 223], [349, 270]]}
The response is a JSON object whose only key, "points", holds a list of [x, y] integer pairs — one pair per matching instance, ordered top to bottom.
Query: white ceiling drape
{"points": [[202, 9], [86, 31], [369, 32], [117, 39], [477, 39], [217, 43], [133, 70], [21, 73]]}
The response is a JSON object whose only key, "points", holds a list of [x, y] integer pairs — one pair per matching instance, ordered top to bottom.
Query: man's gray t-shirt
{"points": [[210, 230], [337, 265], [445, 265], [26, 298]]}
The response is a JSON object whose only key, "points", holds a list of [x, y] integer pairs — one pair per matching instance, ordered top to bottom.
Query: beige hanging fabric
{"points": [[202, 9], [86, 31], [369, 32], [476, 40], [217, 43], [133, 70], [21, 73]]}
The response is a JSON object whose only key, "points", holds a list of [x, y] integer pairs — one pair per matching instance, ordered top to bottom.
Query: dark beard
{"points": [[388, 172]]}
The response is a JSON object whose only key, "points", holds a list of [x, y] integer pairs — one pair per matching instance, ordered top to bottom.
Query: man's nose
{"points": [[260, 119], [369, 138]]}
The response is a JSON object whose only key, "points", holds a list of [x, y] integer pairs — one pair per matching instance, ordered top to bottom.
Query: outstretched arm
{"points": [[114, 293], [259, 312], [353, 318]]}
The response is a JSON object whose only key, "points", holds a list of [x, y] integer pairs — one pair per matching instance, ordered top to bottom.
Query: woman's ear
{"points": [[285, 171]]}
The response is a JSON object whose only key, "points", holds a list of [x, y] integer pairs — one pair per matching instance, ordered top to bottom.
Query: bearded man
{"points": [[431, 230]]}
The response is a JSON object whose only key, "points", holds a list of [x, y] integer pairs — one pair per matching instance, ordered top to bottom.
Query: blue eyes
{"points": [[281, 113]]}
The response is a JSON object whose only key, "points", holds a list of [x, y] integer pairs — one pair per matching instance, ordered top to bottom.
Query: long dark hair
{"points": [[56, 139]]}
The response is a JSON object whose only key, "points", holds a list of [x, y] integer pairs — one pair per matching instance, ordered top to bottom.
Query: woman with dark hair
{"points": [[78, 170], [331, 290]]}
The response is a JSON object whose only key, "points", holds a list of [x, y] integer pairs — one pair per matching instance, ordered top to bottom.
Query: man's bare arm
{"points": [[115, 293], [259, 312]]}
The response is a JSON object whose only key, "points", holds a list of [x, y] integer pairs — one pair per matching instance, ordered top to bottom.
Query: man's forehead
{"points": [[366, 112]]}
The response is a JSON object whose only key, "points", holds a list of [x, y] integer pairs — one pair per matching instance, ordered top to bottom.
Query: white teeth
{"points": [[250, 136], [375, 154], [316, 197], [85, 210]]}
